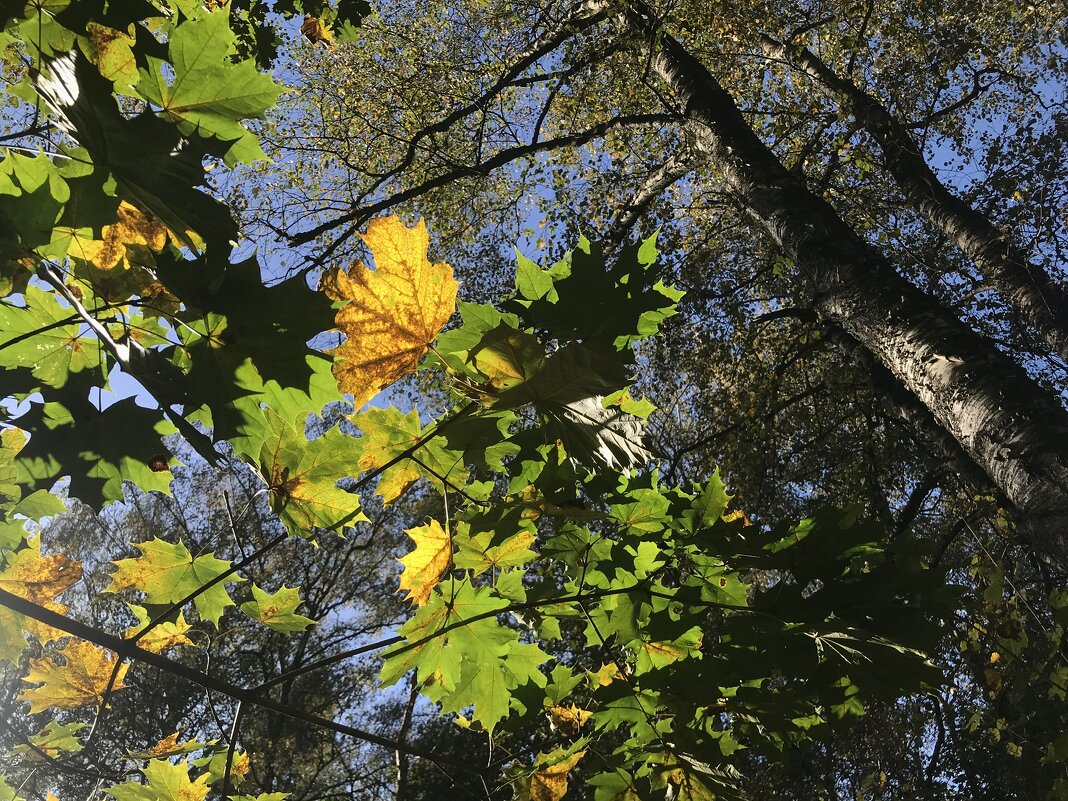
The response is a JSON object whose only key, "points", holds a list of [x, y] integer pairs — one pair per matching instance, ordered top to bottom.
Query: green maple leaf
{"points": [[210, 95], [32, 194], [580, 298], [42, 337], [246, 345], [387, 433], [97, 449], [302, 475], [168, 572], [276, 610], [478, 662], [53, 740], [163, 782]]}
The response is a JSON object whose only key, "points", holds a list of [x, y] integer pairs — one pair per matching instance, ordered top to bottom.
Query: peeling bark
{"points": [[1040, 301], [1012, 428]]}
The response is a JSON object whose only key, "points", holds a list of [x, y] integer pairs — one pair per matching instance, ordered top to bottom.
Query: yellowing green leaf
{"points": [[109, 49], [131, 229], [394, 312], [387, 434], [302, 475], [475, 552], [424, 567], [167, 573], [39, 579], [276, 610], [163, 636], [81, 680], [52, 741], [170, 746], [163, 782]]}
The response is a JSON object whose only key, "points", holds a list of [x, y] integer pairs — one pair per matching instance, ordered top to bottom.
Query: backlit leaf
{"points": [[209, 95], [394, 312], [425, 565], [167, 573], [276, 610], [165, 635], [80, 681], [568, 719], [52, 741], [163, 782], [550, 783]]}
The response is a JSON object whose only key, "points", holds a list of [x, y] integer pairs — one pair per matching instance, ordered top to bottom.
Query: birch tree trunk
{"points": [[1040, 302], [1009, 425]]}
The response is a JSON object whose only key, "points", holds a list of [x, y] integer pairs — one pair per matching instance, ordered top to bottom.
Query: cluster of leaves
{"points": [[654, 631]]}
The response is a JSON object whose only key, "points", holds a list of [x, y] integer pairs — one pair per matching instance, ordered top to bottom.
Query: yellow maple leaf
{"points": [[132, 228], [394, 312], [737, 514], [424, 566], [39, 579], [606, 675], [82, 680], [568, 719], [167, 746], [550, 783]]}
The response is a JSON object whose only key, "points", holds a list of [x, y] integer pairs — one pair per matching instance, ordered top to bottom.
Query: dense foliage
{"points": [[582, 599]]}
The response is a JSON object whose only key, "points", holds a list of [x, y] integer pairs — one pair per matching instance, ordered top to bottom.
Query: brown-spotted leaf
{"points": [[130, 230], [394, 312], [424, 566], [39, 579], [161, 637], [81, 680], [568, 719], [550, 783]]}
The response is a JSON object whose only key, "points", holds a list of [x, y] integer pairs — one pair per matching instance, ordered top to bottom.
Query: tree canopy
{"points": [[491, 485]]}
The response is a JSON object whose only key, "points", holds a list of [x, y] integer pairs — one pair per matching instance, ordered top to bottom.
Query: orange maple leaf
{"points": [[394, 312]]}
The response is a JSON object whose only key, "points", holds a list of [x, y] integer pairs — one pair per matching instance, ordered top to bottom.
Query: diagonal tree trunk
{"points": [[1040, 302], [1013, 429]]}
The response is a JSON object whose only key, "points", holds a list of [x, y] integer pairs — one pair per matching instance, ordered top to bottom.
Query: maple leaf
{"points": [[132, 229], [394, 312], [386, 435], [302, 475], [479, 555], [424, 566], [167, 573], [39, 579], [276, 610], [161, 637], [82, 680], [568, 719], [51, 741], [169, 746], [163, 782], [550, 783]]}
